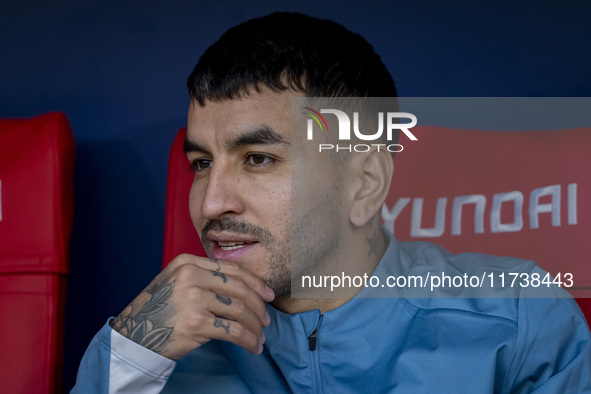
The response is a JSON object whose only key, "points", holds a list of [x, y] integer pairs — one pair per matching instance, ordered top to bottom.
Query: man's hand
{"points": [[195, 299]]}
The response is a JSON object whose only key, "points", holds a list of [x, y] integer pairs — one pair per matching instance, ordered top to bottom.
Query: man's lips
{"points": [[232, 245], [229, 246], [231, 250]]}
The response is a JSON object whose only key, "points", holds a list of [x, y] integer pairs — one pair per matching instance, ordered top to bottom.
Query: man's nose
{"points": [[223, 193]]}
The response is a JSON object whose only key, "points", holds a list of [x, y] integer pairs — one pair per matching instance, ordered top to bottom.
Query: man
{"points": [[228, 323]]}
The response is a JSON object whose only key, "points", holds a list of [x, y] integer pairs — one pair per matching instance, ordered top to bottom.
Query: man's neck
{"points": [[363, 262]]}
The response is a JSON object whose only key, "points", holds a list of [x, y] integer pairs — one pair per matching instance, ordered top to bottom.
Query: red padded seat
{"points": [[36, 208]]}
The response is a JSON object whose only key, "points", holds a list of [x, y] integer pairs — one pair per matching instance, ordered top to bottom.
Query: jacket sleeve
{"points": [[553, 350], [114, 364]]}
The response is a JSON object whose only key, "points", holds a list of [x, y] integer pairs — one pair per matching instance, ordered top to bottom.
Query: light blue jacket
{"points": [[517, 344]]}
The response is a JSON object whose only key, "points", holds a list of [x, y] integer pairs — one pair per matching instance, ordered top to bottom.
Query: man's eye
{"points": [[259, 160], [200, 164]]}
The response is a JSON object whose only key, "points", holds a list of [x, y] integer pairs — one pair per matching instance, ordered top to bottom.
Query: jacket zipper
{"points": [[312, 340], [312, 345]]}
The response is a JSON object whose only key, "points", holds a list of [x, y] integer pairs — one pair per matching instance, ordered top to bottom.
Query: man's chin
{"points": [[281, 291]]}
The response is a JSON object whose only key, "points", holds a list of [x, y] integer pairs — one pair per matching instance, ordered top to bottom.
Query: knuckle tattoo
{"points": [[223, 299], [220, 323]]}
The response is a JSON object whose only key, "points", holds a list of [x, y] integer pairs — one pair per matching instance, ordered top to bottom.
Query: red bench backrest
{"points": [[36, 207]]}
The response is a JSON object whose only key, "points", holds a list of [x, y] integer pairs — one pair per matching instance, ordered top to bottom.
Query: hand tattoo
{"points": [[216, 261], [220, 274], [223, 299], [220, 323], [145, 326]]}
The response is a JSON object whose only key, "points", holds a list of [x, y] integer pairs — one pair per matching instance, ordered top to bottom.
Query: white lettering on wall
{"points": [[572, 203], [534, 209], [495, 213], [456, 214], [416, 230]]}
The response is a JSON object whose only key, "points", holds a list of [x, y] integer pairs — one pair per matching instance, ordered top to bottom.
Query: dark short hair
{"points": [[286, 50]]}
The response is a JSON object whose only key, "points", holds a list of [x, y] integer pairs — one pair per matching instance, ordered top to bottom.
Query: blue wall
{"points": [[118, 71]]}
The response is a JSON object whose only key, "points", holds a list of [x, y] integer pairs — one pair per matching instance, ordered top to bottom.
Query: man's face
{"points": [[240, 197], [241, 201]]}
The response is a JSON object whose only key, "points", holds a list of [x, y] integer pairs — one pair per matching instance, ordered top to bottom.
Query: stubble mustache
{"points": [[237, 227], [279, 273]]}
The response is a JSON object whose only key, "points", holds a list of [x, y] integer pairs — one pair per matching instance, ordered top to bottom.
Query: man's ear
{"points": [[373, 172]]}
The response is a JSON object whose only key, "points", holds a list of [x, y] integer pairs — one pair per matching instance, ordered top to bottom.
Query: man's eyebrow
{"points": [[259, 135], [192, 146]]}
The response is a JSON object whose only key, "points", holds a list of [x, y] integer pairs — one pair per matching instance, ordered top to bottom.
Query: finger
{"points": [[224, 268], [197, 280], [235, 292], [199, 308], [235, 309], [235, 332]]}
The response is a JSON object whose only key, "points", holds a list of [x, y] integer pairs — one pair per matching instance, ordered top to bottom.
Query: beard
{"points": [[315, 238], [305, 245], [278, 275]]}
